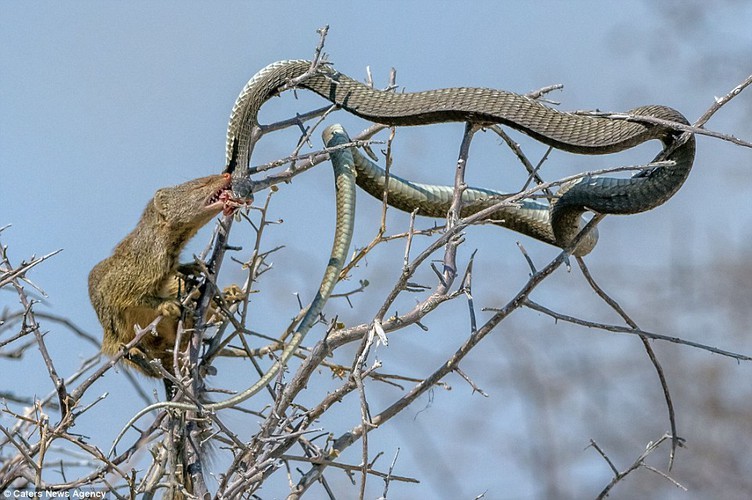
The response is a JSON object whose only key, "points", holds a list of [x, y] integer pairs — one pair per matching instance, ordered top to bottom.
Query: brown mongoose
{"points": [[140, 280]]}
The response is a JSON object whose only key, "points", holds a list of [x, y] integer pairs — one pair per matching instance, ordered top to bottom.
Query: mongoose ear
{"points": [[160, 203]]}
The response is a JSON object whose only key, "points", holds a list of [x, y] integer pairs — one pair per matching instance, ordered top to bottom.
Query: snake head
{"points": [[190, 205]]}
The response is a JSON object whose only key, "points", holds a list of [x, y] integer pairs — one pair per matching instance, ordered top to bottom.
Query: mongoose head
{"points": [[194, 203]]}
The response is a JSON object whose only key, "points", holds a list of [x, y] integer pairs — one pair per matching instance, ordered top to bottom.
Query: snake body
{"points": [[583, 134], [344, 181], [525, 216], [557, 224]]}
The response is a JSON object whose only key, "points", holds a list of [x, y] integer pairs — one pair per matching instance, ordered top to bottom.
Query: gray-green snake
{"points": [[577, 133], [344, 181], [525, 216], [556, 224]]}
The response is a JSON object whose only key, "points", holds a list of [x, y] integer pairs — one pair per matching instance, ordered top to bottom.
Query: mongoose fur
{"points": [[139, 281]]}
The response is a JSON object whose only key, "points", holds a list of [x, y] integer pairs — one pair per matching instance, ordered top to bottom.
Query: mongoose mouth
{"points": [[223, 200]]}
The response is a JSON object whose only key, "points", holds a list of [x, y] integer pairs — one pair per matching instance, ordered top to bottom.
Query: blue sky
{"points": [[101, 103]]}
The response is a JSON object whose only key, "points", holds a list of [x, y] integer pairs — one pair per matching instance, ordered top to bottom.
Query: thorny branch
{"points": [[285, 433], [638, 463]]}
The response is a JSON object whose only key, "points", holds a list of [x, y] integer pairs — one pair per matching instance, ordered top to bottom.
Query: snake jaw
{"points": [[224, 200], [230, 203]]}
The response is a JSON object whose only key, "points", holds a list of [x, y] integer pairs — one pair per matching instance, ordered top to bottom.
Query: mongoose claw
{"points": [[190, 269], [233, 294], [169, 309]]}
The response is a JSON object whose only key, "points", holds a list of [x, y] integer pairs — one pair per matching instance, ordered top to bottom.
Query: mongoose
{"points": [[140, 280]]}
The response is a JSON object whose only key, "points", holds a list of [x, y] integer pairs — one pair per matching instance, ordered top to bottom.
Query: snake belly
{"points": [[576, 133], [344, 179], [525, 216]]}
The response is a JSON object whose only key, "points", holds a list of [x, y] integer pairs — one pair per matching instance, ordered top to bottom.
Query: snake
{"points": [[344, 181], [525, 216], [557, 223]]}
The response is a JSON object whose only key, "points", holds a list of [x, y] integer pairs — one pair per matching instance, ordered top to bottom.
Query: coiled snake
{"points": [[576, 133], [557, 224]]}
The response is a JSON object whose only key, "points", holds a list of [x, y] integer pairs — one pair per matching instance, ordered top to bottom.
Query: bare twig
{"points": [[631, 330], [639, 462]]}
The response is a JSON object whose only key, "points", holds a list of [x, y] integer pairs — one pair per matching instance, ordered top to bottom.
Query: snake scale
{"points": [[576, 133], [344, 181], [524, 216], [556, 224]]}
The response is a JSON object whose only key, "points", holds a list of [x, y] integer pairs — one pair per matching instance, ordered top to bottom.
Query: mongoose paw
{"points": [[190, 269], [233, 294], [169, 309], [139, 358]]}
